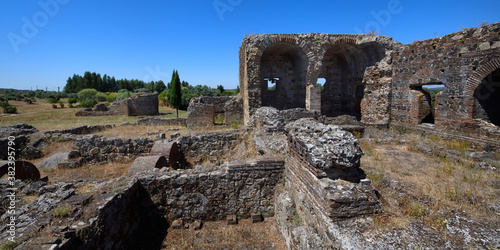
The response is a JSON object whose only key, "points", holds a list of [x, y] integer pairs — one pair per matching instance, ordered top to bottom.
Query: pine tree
{"points": [[175, 92]]}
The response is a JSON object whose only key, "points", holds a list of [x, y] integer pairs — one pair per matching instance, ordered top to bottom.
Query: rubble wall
{"points": [[460, 61], [238, 188]]}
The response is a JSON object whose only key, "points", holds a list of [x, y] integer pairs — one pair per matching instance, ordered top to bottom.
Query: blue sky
{"points": [[44, 42]]}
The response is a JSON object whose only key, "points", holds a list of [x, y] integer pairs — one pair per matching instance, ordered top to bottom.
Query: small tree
{"points": [[221, 88], [175, 92], [87, 98]]}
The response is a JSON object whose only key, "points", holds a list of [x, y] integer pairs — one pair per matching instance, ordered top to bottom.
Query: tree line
{"points": [[109, 84]]}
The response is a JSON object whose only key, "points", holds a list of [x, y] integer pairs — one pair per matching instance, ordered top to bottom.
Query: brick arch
{"points": [[287, 38], [343, 39], [477, 77], [475, 80], [290, 92]]}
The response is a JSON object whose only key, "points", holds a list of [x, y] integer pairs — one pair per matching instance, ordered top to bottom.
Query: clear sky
{"points": [[44, 42]]}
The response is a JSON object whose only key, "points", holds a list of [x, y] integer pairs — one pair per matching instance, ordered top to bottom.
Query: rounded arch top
{"points": [[343, 39], [477, 77]]}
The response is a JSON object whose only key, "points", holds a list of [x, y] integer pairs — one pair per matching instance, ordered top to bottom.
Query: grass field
{"points": [[44, 117], [418, 187]]}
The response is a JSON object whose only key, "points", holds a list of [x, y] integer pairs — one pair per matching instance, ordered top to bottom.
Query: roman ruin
{"points": [[284, 148]]}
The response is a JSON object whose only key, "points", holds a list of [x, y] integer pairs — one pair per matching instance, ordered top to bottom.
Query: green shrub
{"points": [[142, 90], [122, 95], [101, 97], [111, 97], [87, 98], [163, 98], [29, 100], [52, 100], [72, 100], [4, 104], [61, 104], [54, 106], [10, 110], [402, 130], [62, 211], [8, 245]]}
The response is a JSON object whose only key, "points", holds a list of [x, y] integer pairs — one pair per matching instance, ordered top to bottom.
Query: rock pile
{"points": [[326, 147]]}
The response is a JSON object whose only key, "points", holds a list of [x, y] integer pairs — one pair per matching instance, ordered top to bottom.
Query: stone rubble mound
{"points": [[326, 147]]}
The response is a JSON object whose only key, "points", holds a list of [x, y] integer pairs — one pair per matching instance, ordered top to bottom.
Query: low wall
{"points": [[206, 111], [153, 121], [211, 146], [96, 149], [238, 188], [321, 202], [128, 221]]}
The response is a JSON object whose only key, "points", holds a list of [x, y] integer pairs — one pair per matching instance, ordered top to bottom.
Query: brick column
{"points": [[313, 98]]}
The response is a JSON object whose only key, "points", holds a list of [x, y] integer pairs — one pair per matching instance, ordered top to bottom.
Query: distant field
{"points": [[44, 117]]}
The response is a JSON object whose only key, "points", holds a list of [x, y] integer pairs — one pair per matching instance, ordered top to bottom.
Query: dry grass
{"points": [[41, 115], [88, 172], [415, 186], [218, 235]]}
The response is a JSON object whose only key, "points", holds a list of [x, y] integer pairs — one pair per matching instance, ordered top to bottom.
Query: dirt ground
{"points": [[218, 235]]}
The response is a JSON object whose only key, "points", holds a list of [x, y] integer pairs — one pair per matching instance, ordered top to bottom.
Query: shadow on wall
{"points": [[487, 99], [129, 221]]}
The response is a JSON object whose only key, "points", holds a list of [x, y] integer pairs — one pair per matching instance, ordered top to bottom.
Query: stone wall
{"points": [[296, 61], [460, 61], [377, 79], [138, 104], [143, 104], [208, 111], [153, 121], [212, 146], [95, 149], [239, 188], [126, 221]]}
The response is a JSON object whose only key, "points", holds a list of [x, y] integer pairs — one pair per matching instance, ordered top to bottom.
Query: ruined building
{"points": [[379, 80], [136, 105]]}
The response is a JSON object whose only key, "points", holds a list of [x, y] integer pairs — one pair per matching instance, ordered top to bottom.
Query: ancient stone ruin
{"points": [[377, 79], [138, 104], [285, 148]]}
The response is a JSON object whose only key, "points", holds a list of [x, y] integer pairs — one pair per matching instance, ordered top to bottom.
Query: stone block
{"points": [[147, 163], [256, 217], [231, 220], [178, 224], [197, 225]]}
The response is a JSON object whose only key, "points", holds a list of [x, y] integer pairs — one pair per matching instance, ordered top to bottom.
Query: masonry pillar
{"points": [[313, 98]]}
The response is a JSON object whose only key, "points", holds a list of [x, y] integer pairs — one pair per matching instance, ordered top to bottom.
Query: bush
{"points": [[142, 90], [122, 95], [101, 97], [111, 97], [87, 98], [163, 98], [28, 100], [52, 100], [72, 100], [4, 104], [61, 104], [54, 106], [10, 110], [62, 211], [9, 245]]}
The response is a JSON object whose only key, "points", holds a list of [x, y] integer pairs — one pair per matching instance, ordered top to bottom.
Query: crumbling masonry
{"points": [[379, 80]]}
